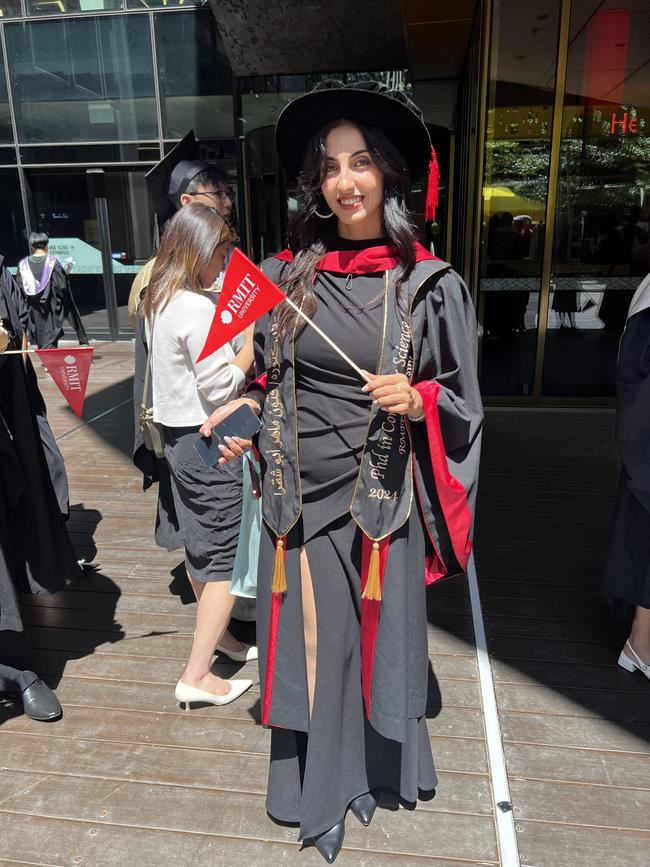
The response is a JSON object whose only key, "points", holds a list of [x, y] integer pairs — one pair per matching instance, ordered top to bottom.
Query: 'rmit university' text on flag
{"points": [[247, 294], [69, 368]]}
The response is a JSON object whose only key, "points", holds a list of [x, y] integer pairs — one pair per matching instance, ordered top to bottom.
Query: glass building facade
{"points": [[92, 92], [545, 193], [565, 212]]}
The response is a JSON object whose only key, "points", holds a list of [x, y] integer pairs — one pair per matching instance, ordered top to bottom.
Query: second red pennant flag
{"points": [[246, 296], [69, 368]]}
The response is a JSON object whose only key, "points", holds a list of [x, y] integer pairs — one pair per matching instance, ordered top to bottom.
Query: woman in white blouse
{"points": [[179, 308]]}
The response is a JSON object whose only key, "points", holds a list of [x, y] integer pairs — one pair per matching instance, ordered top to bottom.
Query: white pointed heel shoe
{"points": [[247, 654], [631, 661], [185, 694]]}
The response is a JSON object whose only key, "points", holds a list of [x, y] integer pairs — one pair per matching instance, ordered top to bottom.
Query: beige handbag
{"points": [[152, 432]]}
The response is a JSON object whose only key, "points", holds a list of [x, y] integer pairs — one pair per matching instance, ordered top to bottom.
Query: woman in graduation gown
{"points": [[367, 489], [626, 574]]}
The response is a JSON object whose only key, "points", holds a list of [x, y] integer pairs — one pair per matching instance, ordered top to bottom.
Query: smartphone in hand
{"points": [[241, 423]]}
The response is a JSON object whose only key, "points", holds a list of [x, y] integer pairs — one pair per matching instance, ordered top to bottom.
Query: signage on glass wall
{"points": [[624, 123], [85, 258]]}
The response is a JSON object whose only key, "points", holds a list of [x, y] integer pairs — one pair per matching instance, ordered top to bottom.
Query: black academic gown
{"points": [[47, 310], [17, 311], [334, 465], [36, 555], [627, 562]]}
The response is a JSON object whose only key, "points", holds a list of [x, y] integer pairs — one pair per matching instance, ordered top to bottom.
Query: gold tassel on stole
{"points": [[279, 573], [372, 590]]}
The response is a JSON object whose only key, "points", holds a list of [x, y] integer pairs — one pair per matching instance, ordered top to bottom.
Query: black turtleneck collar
{"points": [[348, 244]]}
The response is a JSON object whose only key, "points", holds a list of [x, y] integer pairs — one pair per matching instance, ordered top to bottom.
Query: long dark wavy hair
{"points": [[310, 237]]}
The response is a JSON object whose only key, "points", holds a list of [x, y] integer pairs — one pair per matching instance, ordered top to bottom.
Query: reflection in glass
{"points": [[165, 4], [66, 7], [10, 8], [195, 76], [81, 79], [6, 131], [142, 152], [8, 156], [517, 159], [602, 235]]}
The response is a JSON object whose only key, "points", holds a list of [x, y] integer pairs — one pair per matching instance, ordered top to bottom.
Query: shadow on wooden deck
{"points": [[126, 776]]}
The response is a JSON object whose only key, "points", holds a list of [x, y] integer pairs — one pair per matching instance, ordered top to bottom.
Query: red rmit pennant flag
{"points": [[247, 294], [69, 368]]}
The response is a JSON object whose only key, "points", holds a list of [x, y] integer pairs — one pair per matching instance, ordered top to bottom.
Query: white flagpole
{"points": [[327, 339], [69, 349]]}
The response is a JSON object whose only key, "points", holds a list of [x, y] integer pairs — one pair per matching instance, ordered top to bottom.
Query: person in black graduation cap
{"points": [[178, 179], [36, 555], [626, 574]]}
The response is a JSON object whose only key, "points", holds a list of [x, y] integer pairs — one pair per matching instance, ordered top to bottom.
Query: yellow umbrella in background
{"points": [[498, 200]]}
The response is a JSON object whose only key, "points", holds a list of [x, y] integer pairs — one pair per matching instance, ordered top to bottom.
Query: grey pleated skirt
{"points": [[208, 504]]}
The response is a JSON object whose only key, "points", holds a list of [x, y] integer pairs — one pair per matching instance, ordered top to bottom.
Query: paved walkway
{"points": [[126, 777]]}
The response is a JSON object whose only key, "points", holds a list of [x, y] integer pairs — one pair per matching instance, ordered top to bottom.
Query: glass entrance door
{"points": [[521, 85], [566, 147], [62, 203], [601, 248]]}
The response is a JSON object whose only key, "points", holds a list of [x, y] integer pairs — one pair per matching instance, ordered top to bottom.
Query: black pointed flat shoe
{"points": [[40, 703], [364, 808], [329, 844]]}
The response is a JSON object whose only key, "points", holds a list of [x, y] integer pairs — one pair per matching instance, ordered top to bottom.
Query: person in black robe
{"points": [[47, 296], [368, 490], [36, 555], [626, 574]]}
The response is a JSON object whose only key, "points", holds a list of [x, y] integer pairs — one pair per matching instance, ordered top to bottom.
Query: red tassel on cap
{"points": [[432, 188]]}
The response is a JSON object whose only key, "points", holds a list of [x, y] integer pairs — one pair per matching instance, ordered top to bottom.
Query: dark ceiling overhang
{"points": [[284, 37]]}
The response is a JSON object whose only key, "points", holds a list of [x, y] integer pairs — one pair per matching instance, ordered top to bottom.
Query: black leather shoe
{"points": [[39, 702], [364, 807], [329, 844]]}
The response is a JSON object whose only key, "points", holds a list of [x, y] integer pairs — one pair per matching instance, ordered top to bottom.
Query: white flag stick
{"points": [[327, 339], [70, 349]]}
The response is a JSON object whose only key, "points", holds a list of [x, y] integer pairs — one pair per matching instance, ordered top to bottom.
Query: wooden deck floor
{"points": [[575, 727], [125, 777]]}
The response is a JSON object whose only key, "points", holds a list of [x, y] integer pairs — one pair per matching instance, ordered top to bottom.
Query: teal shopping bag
{"points": [[244, 575]]}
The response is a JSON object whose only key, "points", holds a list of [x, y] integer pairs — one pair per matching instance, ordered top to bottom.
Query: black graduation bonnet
{"points": [[366, 102], [169, 179]]}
